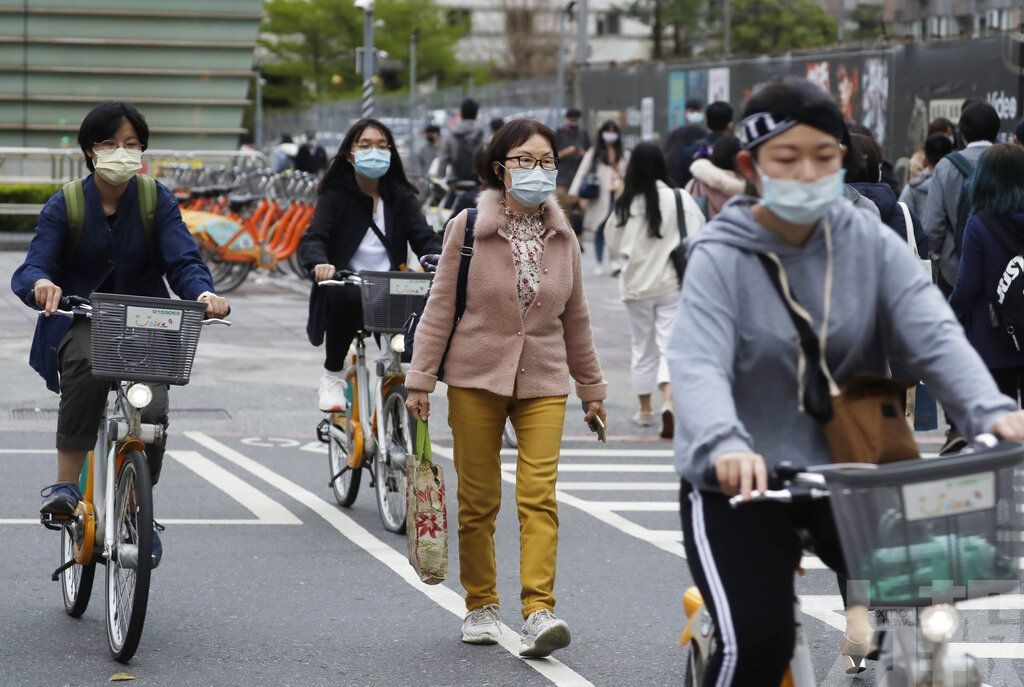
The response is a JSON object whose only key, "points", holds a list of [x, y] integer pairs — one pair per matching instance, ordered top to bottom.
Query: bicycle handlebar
{"points": [[341, 278], [76, 306]]}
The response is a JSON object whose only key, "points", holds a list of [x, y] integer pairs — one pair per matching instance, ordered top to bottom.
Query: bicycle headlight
{"points": [[398, 343], [139, 395], [939, 623]]}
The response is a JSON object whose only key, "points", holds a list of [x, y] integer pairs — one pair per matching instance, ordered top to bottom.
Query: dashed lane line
{"points": [[552, 669]]}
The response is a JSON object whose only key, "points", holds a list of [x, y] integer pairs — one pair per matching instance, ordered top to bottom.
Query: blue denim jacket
{"points": [[120, 260]]}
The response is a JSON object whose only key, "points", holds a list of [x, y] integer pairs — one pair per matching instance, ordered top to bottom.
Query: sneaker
{"points": [[616, 268], [332, 393], [642, 419], [668, 423], [955, 443], [60, 499], [157, 552], [481, 626], [542, 634]]}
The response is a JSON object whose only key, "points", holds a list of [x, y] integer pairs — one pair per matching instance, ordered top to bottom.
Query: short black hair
{"points": [[694, 104], [469, 108], [573, 113], [718, 115], [104, 120], [979, 122], [496, 123], [941, 125], [432, 129], [514, 133], [936, 147], [724, 152]]}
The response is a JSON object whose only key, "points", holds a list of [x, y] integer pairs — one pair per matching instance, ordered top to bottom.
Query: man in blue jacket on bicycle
{"points": [[113, 232]]}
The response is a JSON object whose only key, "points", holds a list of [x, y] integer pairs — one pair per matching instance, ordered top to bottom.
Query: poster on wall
{"points": [[818, 74], [718, 84], [697, 85], [848, 89], [676, 99], [875, 103], [647, 118]]}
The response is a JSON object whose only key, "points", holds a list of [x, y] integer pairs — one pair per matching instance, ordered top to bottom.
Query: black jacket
{"points": [[885, 200], [341, 220]]}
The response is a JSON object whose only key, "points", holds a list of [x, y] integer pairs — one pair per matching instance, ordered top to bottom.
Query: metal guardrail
{"points": [[61, 165]]}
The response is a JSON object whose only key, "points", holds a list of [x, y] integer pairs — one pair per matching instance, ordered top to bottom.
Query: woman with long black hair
{"points": [[605, 163], [367, 216], [643, 234]]}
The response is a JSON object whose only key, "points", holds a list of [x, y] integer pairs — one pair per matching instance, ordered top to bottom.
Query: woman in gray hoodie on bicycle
{"points": [[737, 369]]}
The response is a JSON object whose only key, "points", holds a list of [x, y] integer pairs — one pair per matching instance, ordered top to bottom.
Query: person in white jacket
{"points": [[604, 163], [643, 233]]}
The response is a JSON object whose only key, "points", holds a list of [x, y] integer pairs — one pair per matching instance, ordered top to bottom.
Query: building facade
{"points": [[925, 19], [187, 65]]}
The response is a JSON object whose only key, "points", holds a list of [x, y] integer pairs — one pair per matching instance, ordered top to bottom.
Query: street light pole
{"points": [[727, 21], [414, 40], [582, 47], [369, 56], [560, 96], [258, 134]]}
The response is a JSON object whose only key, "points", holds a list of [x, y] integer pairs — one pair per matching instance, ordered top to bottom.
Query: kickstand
{"points": [[335, 478], [56, 573]]}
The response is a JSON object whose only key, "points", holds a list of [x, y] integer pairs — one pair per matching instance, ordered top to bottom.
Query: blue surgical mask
{"points": [[372, 163], [531, 187], [801, 202]]}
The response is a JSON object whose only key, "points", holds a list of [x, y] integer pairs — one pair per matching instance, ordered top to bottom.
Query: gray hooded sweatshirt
{"points": [[734, 351]]}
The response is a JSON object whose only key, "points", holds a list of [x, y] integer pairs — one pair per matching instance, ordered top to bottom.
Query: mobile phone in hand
{"points": [[597, 425]]}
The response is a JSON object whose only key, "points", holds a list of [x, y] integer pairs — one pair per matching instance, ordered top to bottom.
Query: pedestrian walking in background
{"points": [[718, 117], [495, 124], [680, 138], [571, 144], [459, 145], [427, 152], [283, 155], [311, 156], [919, 160], [863, 172], [716, 179], [598, 183], [915, 193], [367, 216], [643, 233], [994, 236], [525, 331]]}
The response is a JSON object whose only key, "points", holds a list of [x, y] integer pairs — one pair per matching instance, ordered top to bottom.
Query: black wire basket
{"points": [[389, 298], [143, 339], [934, 530]]}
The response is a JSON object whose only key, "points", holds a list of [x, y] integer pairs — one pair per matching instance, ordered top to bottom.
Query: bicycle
{"points": [[144, 340], [376, 432], [906, 528]]}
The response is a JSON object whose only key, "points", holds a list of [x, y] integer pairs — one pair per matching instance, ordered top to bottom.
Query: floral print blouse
{"points": [[526, 234]]}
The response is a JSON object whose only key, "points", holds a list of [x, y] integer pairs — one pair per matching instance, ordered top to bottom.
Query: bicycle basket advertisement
{"points": [[389, 298], [142, 339], [939, 529]]}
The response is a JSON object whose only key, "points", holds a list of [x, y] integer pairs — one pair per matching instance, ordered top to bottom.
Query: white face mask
{"points": [[695, 117], [609, 137], [118, 166], [531, 187], [801, 202]]}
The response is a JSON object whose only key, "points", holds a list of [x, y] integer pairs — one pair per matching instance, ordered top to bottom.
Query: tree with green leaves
{"points": [[679, 18], [870, 22], [773, 26], [312, 45]]}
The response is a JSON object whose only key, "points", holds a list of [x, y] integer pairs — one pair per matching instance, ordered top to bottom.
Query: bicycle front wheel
{"points": [[390, 472], [344, 480], [130, 564], [76, 581]]}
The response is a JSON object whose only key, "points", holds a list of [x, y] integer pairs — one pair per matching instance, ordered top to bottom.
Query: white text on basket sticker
{"points": [[409, 287], [153, 318], [953, 496]]}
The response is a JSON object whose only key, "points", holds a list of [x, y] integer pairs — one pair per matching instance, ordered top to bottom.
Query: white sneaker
{"points": [[332, 393], [642, 419], [481, 626], [542, 634]]}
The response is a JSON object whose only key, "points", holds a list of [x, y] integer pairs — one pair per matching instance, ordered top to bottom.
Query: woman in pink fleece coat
{"points": [[525, 331]]}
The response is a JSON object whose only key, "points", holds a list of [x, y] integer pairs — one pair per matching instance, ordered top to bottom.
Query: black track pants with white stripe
{"points": [[744, 561]]}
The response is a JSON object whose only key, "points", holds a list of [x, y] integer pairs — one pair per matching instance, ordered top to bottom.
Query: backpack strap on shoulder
{"points": [[961, 163], [146, 187], [74, 205], [461, 284]]}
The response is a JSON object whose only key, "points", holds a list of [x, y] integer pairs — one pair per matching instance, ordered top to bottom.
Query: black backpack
{"points": [[466, 147], [966, 169], [461, 292], [1007, 303]]}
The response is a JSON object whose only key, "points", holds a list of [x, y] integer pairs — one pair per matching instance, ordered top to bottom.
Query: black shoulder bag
{"points": [[678, 254]]}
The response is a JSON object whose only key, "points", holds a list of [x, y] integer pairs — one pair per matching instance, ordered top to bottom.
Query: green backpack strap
{"points": [[146, 186], [74, 204]]}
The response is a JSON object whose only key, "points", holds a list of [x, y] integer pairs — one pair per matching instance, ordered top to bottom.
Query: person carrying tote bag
{"points": [[524, 333]]}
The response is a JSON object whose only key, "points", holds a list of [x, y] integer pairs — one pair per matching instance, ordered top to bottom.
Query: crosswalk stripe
{"points": [[604, 453], [602, 467], [618, 486], [637, 506]]}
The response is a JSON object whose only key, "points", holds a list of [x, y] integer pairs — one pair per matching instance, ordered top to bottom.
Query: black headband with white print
{"points": [[759, 127]]}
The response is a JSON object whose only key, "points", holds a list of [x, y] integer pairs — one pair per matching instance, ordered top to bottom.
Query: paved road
{"points": [[266, 582]]}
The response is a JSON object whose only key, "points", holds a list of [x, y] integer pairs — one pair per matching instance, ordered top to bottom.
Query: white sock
{"points": [[340, 374]]}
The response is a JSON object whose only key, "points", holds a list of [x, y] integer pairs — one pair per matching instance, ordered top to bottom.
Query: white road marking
{"points": [[270, 442], [315, 447], [27, 451], [603, 453], [602, 467], [619, 486], [637, 506], [267, 510], [168, 521], [552, 669]]}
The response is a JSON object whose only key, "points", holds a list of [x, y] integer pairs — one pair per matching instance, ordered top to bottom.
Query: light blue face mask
{"points": [[372, 163], [531, 187], [801, 202]]}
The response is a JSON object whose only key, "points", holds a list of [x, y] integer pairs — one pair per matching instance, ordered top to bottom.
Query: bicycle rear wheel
{"points": [[390, 472], [346, 486], [130, 564], [76, 581]]}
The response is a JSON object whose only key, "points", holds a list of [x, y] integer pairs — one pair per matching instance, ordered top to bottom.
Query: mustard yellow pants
{"points": [[477, 419]]}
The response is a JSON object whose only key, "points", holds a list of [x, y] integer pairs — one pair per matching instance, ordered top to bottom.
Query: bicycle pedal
{"points": [[55, 521]]}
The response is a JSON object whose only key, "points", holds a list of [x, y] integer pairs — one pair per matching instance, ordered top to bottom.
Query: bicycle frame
{"points": [[365, 397]]}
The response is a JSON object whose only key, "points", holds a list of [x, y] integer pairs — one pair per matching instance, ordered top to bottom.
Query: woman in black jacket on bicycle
{"points": [[367, 216]]}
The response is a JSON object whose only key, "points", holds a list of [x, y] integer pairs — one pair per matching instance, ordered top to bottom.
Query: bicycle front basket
{"points": [[389, 298], [143, 339], [931, 530]]}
